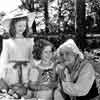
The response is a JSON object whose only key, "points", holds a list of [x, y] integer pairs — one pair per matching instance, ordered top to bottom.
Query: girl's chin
{"points": [[19, 35]]}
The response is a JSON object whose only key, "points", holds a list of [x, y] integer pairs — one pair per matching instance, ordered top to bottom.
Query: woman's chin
{"points": [[67, 63]]}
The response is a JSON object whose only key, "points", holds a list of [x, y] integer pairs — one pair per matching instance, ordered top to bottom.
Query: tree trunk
{"points": [[46, 16], [80, 22], [34, 27]]}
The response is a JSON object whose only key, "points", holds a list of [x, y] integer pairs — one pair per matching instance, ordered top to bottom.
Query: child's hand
{"points": [[16, 65], [26, 85]]}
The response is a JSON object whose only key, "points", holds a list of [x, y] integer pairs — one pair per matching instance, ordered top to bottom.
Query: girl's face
{"points": [[20, 27], [47, 53]]}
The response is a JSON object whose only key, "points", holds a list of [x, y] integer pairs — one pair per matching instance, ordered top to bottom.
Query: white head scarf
{"points": [[71, 44]]}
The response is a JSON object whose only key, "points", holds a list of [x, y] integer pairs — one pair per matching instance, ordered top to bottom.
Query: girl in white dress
{"points": [[17, 53]]}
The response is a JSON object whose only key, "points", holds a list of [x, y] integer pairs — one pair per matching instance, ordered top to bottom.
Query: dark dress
{"points": [[92, 93]]}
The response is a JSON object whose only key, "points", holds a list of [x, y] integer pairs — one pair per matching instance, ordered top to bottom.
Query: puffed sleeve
{"points": [[33, 72], [33, 79], [83, 84]]}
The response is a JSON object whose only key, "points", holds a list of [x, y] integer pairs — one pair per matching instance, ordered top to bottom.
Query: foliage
{"points": [[28, 4], [95, 5]]}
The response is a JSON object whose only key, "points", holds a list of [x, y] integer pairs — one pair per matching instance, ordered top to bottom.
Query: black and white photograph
{"points": [[49, 49]]}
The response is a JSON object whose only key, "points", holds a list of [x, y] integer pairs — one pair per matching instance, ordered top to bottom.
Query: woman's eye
{"points": [[48, 51], [61, 54]]}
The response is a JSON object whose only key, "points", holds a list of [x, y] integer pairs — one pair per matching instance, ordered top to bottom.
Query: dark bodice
{"points": [[47, 78]]}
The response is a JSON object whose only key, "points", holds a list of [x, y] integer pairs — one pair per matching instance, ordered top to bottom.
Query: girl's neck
{"points": [[19, 36], [46, 63]]}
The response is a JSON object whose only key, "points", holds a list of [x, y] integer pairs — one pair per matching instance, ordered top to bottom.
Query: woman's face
{"points": [[20, 27], [47, 53], [68, 58]]}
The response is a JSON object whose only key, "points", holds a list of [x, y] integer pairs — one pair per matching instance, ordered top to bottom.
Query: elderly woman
{"points": [[77, 76]]}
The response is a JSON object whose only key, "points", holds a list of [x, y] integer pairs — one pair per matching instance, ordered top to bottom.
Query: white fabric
{"points": [[71, 44], [15, 50], [11, 75]]}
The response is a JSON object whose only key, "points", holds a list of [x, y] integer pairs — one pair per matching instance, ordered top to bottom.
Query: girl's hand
{"points": [[16, 65]]}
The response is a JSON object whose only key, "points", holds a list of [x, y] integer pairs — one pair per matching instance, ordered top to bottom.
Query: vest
{"points": [[92, 93]]}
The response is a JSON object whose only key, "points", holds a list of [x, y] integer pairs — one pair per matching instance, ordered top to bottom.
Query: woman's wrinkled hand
{"points": [[67, 75]]}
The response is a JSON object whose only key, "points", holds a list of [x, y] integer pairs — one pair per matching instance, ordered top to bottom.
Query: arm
{"points": [[31, 48], [30, 52], [4, 53], [3, 57], [33, 78], [4, 82], [83, 84]]}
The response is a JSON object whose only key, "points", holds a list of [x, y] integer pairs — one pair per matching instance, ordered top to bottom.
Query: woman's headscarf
{"points": [[73, 48]]}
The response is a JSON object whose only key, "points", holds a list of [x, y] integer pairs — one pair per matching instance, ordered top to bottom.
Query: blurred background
{"points": [[58, 20]]}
